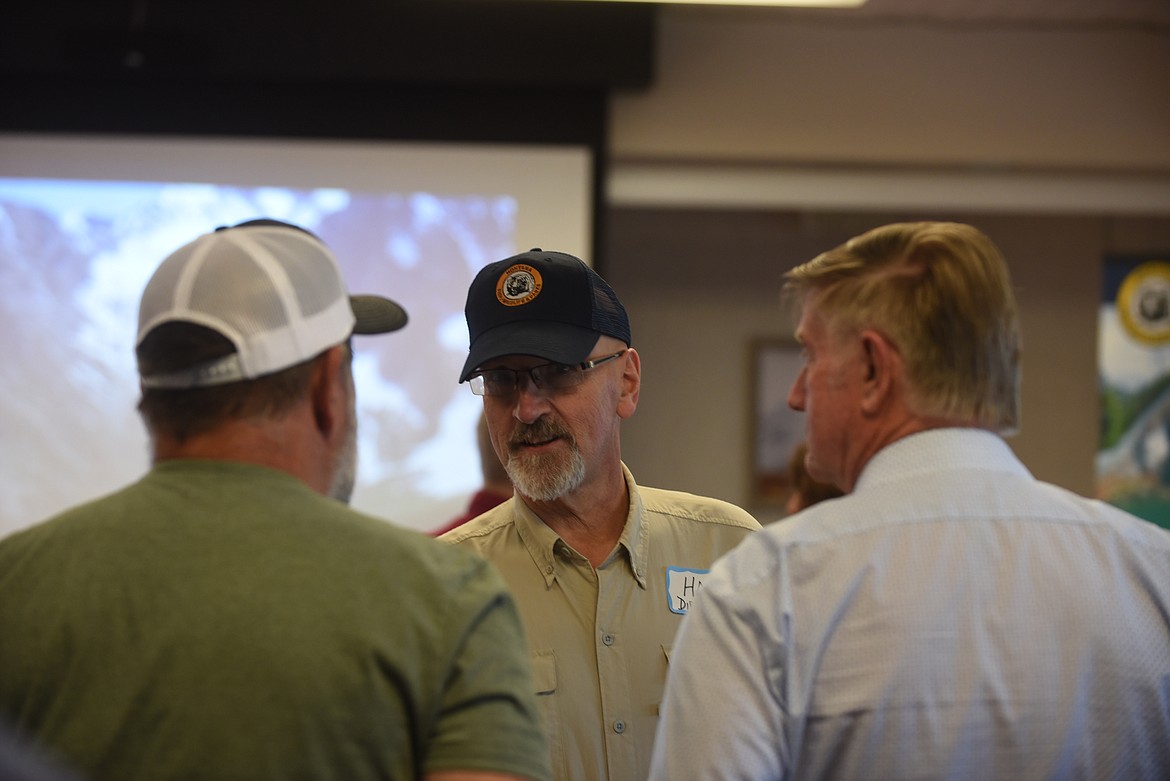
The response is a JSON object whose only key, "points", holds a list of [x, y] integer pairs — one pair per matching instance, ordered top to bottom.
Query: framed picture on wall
{"points": [[776, 428]]}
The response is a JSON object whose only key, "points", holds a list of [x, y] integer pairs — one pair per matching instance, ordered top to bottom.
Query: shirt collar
{"points": [[940, 449], [543, 543]]}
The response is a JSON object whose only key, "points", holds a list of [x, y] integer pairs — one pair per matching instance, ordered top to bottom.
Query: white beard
{"points": [[547, 477]]}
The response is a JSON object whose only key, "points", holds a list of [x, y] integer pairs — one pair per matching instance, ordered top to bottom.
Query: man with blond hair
{"points": [[951, 617]]}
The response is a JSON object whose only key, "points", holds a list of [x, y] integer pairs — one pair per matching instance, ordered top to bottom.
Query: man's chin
{"points": [[543, 478]]}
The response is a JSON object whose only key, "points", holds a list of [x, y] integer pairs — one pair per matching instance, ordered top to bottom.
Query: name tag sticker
{"points": [[681, 586]]}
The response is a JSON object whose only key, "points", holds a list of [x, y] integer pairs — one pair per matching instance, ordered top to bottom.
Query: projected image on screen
{"points": [[75, 256]]}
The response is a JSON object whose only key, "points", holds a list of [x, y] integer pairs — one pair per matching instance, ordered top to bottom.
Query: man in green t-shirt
{"points": [[228, 616]]}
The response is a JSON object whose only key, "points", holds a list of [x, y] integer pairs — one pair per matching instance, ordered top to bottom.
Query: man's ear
{"points": [[881, 371], [631, 383], [327, 392]]}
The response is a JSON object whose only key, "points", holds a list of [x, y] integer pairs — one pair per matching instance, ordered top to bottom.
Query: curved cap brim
{"points": [[376, 314], [557, 342]]}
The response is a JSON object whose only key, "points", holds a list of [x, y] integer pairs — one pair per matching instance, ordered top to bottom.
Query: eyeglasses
{"points": [[546, 376]]}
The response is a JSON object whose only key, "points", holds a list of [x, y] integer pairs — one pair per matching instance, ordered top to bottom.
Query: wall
{"points": [[759, 86]]}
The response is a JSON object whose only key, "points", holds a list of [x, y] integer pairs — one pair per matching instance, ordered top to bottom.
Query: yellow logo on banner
{"points": [[1143, 303]]}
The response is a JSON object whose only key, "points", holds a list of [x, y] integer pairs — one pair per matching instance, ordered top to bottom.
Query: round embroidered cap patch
{"points": [[518, 285]]}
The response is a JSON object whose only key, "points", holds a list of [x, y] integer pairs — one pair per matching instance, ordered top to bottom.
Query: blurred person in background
{"points": [[496, 488], [806, 491]]}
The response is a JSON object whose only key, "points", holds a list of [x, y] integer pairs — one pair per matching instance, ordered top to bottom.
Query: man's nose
{"points": [[531, 401]]}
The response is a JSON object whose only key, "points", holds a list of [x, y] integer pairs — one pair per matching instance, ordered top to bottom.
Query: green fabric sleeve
{"points": [[489, 719]]}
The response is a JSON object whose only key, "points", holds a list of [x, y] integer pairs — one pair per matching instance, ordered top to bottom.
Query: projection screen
{"points": [[85, 220]]}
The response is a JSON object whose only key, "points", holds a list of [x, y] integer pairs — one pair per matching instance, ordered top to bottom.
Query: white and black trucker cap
{"points": [[273, 289]]}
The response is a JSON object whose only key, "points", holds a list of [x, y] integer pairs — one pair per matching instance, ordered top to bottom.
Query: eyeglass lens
{"points": [[546, 376]]}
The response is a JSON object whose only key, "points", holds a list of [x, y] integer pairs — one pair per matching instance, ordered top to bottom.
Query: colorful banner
{"points": [[1133, 359]]}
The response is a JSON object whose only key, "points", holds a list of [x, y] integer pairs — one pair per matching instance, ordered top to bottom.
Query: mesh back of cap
{"points": [[232, 286], [276, 293], [609, 316]]}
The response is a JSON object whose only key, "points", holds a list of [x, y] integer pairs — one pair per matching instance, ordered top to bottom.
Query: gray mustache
{"points": [[540, 431]]}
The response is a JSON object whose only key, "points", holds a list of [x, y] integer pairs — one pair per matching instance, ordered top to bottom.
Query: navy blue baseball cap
{"points": [[548, 304]]}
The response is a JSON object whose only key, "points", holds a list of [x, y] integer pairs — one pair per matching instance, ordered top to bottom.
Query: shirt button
{"points": [[549, 569], [607, 638], [619, 726]]}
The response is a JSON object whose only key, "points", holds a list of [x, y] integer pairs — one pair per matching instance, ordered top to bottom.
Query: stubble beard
{"points": [[345, 473], [544, 477]]}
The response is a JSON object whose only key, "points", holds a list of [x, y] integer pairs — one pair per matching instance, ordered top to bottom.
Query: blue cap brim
{"points": [[557, 342]]}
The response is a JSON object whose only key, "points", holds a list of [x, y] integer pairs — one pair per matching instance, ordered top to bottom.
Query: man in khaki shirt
{"points": [[603, 570]]}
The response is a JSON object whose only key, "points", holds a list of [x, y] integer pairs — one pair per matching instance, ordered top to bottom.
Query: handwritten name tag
{"points": [[681, 586]]}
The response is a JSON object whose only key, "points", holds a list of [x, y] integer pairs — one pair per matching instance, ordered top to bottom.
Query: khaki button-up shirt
{"points": [[600, 639]]}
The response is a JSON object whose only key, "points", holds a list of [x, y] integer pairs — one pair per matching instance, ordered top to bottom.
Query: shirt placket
{"points": [[613, 672]]}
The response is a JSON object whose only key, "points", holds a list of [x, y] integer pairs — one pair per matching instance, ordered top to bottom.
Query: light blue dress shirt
{"points": [[952, 618]]}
